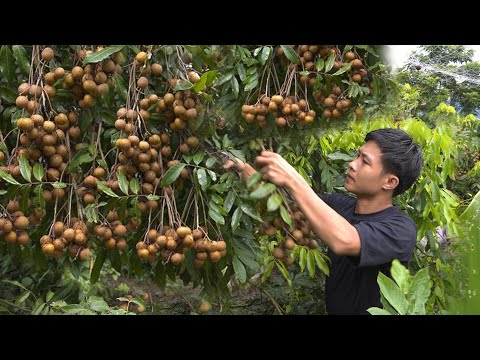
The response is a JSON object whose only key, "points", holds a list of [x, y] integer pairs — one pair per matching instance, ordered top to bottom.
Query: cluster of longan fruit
{"points": [[179, 109], [285, 110], [299, 233], [73, 238]]}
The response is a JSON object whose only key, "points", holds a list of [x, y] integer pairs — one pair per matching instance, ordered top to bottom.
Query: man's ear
{"points": [[391, 182]]}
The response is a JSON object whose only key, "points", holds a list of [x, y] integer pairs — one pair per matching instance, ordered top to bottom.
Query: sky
{"points": [[399, 54]]}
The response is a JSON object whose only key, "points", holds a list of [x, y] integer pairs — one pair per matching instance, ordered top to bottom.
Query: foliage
{"points": [[443, 73], [191, 108], [69, 114], [407, 295], [467, 301]]}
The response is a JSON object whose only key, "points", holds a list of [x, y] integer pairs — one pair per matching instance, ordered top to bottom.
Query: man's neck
{"points": [[371, 205]]}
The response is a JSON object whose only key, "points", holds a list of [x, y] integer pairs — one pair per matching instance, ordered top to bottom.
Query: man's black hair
{"points": [[401, 156]]}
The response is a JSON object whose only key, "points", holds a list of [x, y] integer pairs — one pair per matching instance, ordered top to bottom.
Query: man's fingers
{"points": [[268, 154], [262, 160], [228, 164], [239, 165]]}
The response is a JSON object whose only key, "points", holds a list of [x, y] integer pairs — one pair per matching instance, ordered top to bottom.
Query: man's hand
{"points": [[245, 170], [277, 170]]}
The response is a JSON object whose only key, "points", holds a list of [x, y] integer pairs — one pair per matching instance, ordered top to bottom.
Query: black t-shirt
{"points": [[386, 235]]}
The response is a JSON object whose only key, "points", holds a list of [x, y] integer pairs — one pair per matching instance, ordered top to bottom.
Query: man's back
{"points": [[389, 234]]}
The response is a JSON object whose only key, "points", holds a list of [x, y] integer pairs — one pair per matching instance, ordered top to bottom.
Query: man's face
{"points": [[365, 175]]}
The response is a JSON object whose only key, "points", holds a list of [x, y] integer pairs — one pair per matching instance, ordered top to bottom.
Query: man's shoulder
{"points": [[337, 198], [402, 216]]}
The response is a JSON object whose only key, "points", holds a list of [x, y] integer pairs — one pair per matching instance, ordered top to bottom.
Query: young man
{"points": [[363, 234]]}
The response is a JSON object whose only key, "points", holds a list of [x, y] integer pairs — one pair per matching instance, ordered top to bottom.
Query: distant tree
{"points": [[443, 73]]}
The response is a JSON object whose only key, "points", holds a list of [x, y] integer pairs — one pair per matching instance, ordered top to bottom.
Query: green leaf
{"points": [[134, 48], [368, 48], [266, 51], [290, 54], [98, 56], [22, 59], [330, 62], [320, 64], [7, 66], [343, 69], [241, 72], [223, 78], [205, 80], [252, 84], [182, 85], [235, 86], [120, 88], [64, 94], [9, 95], [108, 118], [85, 120], [238, 154], [339, 156], [81, 157], [198, 157], [25, 168], [38, 171], [172, 174], [212, 174], [8, 178], [202, 178], [254, 179], [123, 182], [59, 185], [134, 185], [106, 189], [263, 191], [3, 192], [25, 195], [217, 199], [39, 200], [229, 201], [274, 202], [217, 208], [136, 209], [250, 212], [91, 213], [237, 215], [285, 215], [215, 216], [244, 234], [246, 254], [302, 258], [311, 263], [322, 265], [97, 266], [239, 269], [268, 271], [284, 272], [401, 275], [16, 283], [419, 291], [391, 292], [23, 297], [49, 297], [98, 304], [38, 308], [378, 311]]}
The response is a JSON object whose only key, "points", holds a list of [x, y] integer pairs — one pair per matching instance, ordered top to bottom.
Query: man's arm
{"points": [[336, 232]]}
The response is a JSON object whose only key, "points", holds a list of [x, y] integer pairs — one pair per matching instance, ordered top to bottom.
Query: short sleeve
{"points": [[384, 241]]}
